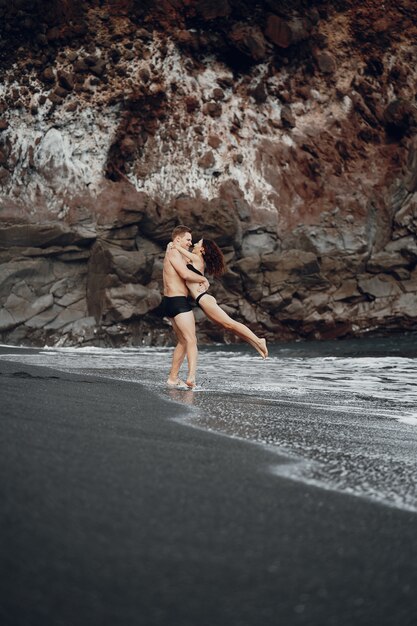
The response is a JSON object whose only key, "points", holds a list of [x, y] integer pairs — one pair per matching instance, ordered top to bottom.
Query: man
{"points": [[178, 308]]}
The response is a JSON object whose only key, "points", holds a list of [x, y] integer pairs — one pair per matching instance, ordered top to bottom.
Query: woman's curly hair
{"points": [[213, 258]]}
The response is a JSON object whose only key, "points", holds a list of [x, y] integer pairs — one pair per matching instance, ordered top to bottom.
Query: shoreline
{"points": [[116, 513]]}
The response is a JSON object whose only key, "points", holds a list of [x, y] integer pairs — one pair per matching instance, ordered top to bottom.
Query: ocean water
{"points": [[344, 413]]}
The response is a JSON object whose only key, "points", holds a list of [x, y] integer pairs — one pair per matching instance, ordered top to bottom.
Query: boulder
{"points": [[212, 9], [284, 33], [249, 40], [326, 62], [400, 116], [207, 160], [410, 181], [215, 219], [43, 235], [258, 243], [407, 246], [385, 261], [291, 262], [109, 268], [380, 286], [347, 290], [128, 300], [406, 305], [17, 310], [69, 315], [45, 317]]}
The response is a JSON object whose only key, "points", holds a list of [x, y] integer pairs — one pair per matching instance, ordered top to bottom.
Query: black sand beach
{"points": [[113, 513]]}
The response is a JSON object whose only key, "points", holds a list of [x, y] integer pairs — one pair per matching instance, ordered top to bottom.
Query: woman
{"points": [[207, 256]]}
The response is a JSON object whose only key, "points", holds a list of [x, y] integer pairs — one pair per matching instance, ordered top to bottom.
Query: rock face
{"points": [[284, 131]]}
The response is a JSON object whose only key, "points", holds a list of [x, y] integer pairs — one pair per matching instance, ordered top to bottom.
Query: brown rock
{"points": [[212, 9], [278, 31], [283, 33], [53, 34], [249, 40], [326, 62], [80, 66], [99, 68], [48, 75], [144, 75], [66, 80], [60, 92], [259, 93], [218, 94], [55, 98], [192, 103], [71, 106], [214, 109], [287, 117], [399, 117], [4, 125], [214, 141], [207, 160], [410, 181], [348, 290]]}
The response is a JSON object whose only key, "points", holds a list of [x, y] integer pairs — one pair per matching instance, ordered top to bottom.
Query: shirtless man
{"points": [[178, 308]]}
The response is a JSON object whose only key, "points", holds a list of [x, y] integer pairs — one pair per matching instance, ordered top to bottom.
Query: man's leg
{"points": [[185, 323], [178, 356]]}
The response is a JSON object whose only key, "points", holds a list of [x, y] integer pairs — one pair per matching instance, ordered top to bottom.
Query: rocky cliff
{"points": [[285, 130]]}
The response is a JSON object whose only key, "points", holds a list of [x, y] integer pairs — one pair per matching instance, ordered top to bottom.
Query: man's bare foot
{"points": [[176, 382], [190, 382]]}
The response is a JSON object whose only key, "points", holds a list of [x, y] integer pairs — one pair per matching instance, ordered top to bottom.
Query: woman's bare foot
{"points": [[262, 349], [176, 382], [190, 382]]}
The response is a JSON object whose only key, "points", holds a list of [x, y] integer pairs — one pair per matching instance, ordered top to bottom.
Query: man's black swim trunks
{"points": [[175, 305]]}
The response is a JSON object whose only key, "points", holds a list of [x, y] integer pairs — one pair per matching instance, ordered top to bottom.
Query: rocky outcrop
{"points": [[286, 131]]}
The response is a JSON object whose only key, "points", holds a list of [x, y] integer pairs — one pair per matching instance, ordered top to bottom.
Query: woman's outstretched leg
{"points": [[216, 314]]}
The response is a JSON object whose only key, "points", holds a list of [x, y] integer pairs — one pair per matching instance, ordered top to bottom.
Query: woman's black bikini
{"points": [[193, 269]]}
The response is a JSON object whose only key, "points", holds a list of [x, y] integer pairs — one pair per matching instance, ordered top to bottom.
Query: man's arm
{"points": [[180, 267]]}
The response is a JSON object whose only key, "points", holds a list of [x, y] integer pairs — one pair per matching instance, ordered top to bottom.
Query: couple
{"points": [[183, 274]]}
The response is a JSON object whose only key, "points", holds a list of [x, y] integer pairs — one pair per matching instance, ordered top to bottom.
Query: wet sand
{"points": [[114, 513]]}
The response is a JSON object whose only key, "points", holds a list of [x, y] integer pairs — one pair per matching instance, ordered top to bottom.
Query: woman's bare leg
{"points": [[216, 314], [185, 323]]}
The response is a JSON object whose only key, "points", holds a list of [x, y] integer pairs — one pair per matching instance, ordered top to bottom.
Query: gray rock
{"points": [[43, 235], [258, 243], [407, 246], [385, 261], [380, 286], [72, 297], [126, 301], [406, 304], [17, 310], [247, 311], [67, 316], [44, 318]]}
